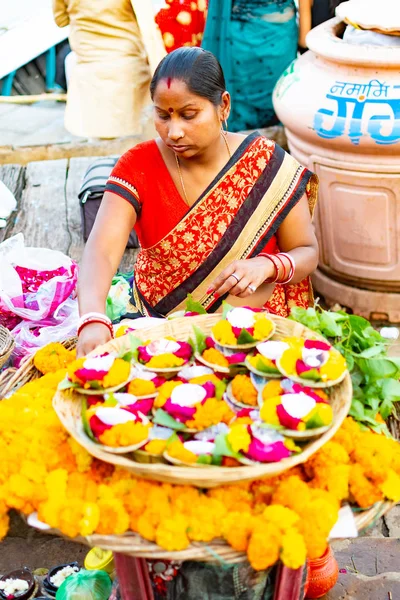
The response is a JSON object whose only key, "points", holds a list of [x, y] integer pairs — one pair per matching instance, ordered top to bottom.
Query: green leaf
{"points": [[194, 306], [225, 309], [308, 317], [329, 325], [245, 337], [200, 339], [372, 352], [132, 353], [261, 366], [377, 368], [311, 374], [65, 384], [220, 388], [391, 389], [111, 401], [386, 408], [357, 410], [163, 418], [85, 422], [173, 438], [223, 448], [204, 459]]}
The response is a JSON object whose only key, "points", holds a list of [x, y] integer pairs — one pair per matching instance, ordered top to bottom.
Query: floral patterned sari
{"points": [[236, 217]]}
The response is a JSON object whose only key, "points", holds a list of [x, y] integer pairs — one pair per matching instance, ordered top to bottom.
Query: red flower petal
{"points": [[317, 345]]}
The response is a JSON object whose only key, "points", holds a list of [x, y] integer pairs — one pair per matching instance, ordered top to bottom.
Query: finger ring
{"points": [[236, 277], [252, 288]]}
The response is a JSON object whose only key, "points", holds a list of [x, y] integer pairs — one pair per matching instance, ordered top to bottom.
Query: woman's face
{"points": [[187, 123]]}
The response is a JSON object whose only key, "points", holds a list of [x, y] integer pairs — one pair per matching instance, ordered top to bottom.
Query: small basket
{"points": [[6, 345]]}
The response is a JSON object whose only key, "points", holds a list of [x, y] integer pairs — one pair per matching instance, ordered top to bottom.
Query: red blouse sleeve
{"points": [[120, 182]]}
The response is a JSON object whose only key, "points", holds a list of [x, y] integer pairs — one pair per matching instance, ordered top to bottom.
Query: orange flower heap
{"points": [[53, 357], [244, 391]]}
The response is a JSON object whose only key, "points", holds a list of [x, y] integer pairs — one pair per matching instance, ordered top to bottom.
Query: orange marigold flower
{"points": [[223, 333], [53, 357], [215, 357], [165, 361], [141, 387], [244, 391], [212, 412], [125, 434], [156, 447], [177, 450], [363, 490], [237, 528], [171, 534], [264, 545]]}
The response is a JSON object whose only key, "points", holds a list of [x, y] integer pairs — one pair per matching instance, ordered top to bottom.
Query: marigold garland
{"points": [[53, 357], [43, 469]]}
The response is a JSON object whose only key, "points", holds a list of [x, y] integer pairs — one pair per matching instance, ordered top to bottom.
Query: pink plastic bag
{"points": [[36, 288]]}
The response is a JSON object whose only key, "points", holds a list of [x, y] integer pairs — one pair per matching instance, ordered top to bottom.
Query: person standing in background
{"points": [[313, 13], [182, 23], [255, 41], [116, 46]]}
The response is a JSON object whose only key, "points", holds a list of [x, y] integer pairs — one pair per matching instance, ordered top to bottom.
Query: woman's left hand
{"points": [[242, 277]]}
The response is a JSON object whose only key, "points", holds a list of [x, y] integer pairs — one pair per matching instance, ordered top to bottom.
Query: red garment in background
{"points": [[182, 23]]}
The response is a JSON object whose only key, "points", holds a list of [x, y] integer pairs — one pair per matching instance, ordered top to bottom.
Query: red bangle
{"points": [[283, 268], [276, 274], [289, 278], [90, 320]]}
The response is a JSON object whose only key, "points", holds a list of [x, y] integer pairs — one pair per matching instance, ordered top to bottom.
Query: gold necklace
{"points": [[180, 172]]}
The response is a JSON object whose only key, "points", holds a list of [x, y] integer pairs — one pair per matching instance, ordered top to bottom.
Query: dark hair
{"points": [[198, 68]]}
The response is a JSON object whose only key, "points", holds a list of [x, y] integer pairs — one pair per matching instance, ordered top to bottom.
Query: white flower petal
{"points": [[241, 317], [162, 346], [272, 350], [315, 358], [99, 363], [194, 371], [188, 394], [124, 399], [297, 405], [114, 415], [199, 447]]}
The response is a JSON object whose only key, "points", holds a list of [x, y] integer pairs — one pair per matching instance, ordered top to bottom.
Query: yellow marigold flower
{"points": [[262, 326], [223, 333], [53, 357], [215, 357], [254, 360], [165, 361], [288, 361], [334, 367], [118, 373], [201, 379], [141, 387], [272, 389], [244, 391], [164, 392], [268, 410], [212, 412], [125, 434], [239, 438], [156, 447], [177, 450], [83, 458], [334, 479], [391, 486], [293, 493], [235, 498], [113, 517], [282, 517], [90, 519], [205, 520], [145, 528], [237, 528], [171, 534], [264, 545], [294, 551]]}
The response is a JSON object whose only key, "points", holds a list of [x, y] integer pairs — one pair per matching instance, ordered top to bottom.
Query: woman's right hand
{"points": [[91, 336]]}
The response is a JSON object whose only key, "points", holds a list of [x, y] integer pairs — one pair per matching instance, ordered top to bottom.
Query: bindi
{"points": [[170, 110]]}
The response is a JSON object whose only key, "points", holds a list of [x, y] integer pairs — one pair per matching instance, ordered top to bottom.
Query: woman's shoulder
{"points": [[139, 152]]}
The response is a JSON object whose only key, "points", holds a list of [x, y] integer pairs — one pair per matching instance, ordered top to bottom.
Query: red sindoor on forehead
{"points": [[169, 81]]}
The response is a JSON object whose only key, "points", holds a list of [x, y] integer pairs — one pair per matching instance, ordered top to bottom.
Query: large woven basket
{"points": [[6, 345], [68, 407]]}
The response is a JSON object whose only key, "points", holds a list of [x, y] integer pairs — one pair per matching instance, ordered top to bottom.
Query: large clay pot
{"points": [[340, 105], [322, 575]]}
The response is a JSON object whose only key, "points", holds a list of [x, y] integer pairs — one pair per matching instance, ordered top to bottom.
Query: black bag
{"points": [[91, 194]]}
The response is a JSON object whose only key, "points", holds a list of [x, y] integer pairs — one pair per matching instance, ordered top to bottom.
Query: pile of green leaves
{"points": [[374, 374]]}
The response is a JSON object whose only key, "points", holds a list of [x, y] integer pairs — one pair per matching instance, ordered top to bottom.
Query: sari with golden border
{"points": [[236, 217]]}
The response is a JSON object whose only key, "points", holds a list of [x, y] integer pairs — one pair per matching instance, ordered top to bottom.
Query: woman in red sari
{"points": [[219, 215]]}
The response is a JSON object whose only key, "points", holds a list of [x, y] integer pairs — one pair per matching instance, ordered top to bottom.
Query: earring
{"points": [[226, 124]]}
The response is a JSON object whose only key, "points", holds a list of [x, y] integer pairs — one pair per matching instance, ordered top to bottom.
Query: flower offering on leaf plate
{"points": [[242, 327], [164, 355], [216, 357], [263, 361], [313, 362], [192, 371], [91, 375], [144, 383], [242, 393], [131, 402], [192, 406], [301, 414], [117, 427], [257, 443], [154, 450], [191, 452]]}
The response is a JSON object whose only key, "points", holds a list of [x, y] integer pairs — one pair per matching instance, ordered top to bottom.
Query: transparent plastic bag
{"points": [[85, 585]]}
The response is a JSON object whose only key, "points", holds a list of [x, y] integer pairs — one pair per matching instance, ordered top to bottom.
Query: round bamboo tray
{"points": [[6, 345], [68, 408]]}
